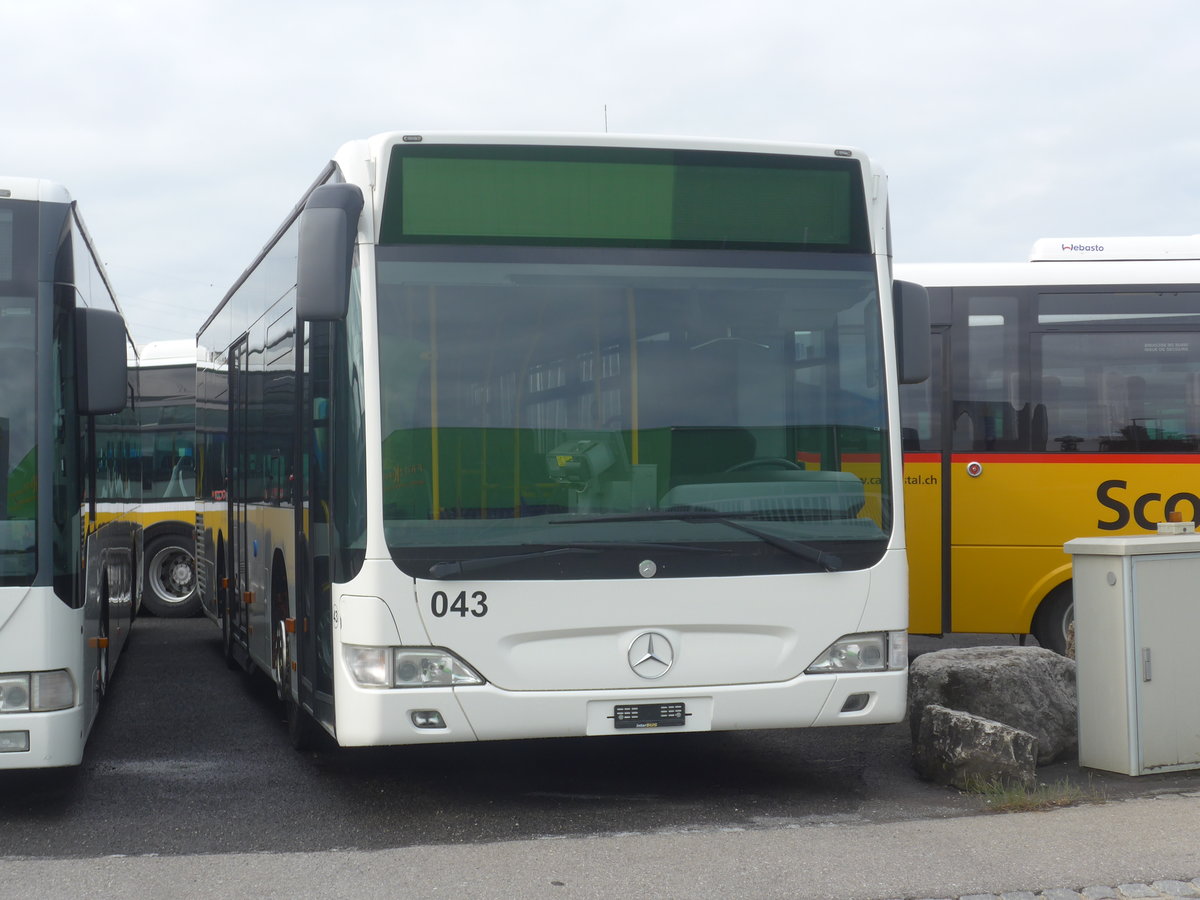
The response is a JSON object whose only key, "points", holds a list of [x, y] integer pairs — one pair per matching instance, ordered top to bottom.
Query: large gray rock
{"points": [[1029, 688], [956, 748]]}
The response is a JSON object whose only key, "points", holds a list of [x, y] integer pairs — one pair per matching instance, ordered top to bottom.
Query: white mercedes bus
{"points": [[510, 436]]}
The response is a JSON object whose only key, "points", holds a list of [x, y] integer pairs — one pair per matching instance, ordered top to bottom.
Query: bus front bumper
{"points": [[486, 712], [41, 740]]}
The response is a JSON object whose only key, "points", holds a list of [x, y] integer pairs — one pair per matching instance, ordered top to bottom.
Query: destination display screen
{"points": [[622, 197]]}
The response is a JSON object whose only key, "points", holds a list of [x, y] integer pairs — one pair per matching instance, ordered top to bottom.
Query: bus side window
{"points": [[1192, 404], [921, 405], [991, 410], [1039, 428], [964, 430]]}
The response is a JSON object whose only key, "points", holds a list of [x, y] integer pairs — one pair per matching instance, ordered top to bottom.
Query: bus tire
{"points": [[169, 585], [1054, 618], [103, 629], [281, 667]]}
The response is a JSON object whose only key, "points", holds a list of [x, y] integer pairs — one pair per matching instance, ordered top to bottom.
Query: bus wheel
{"points": [[170, 576], [1054, 618], [102, 645], [280, 667]]}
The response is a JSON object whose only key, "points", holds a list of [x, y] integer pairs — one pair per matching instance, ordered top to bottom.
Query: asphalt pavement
{"points": [[189, 789], [1145, 847]]}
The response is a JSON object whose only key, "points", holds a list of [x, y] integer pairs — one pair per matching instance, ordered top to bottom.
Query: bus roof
{"points": [[380, 144], [13, 188], [1116, 248], [1068, 261], [1020, 274], [166, 353]]}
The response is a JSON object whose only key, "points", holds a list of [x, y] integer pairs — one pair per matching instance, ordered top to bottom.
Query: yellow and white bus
{"points": [[1064, 402], [166, 415], [512, 436], [69, 547]]}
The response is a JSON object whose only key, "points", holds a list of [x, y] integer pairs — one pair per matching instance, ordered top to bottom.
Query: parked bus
{"points": [[1064, 402], [166, 415], [507, 436], [69, 550]]}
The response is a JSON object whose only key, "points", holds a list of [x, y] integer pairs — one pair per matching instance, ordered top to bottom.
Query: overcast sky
{"points": [[187, 129]]}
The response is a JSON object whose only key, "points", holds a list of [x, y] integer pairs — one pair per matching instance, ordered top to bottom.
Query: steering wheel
{"points": [[765, 462]]}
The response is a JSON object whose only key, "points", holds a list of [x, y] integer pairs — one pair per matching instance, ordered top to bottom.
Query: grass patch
{"points": [[1003, 797]]}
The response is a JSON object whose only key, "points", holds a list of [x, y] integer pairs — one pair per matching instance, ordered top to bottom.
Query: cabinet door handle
{"points": [[1146, 664]]}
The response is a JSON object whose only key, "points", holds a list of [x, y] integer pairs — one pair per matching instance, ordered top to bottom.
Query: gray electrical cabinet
{"points": [[1137, 651]]}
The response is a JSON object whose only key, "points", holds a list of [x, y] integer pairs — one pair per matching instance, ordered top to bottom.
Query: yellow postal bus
{"points": [[1064, 402], [166, 416]]}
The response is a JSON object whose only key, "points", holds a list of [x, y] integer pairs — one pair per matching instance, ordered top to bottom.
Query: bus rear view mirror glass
{"points": [[328, 226], [911, 303], [100, 361]]}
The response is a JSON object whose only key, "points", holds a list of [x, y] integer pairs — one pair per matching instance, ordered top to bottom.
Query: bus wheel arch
{"points": [[1055, 618]]}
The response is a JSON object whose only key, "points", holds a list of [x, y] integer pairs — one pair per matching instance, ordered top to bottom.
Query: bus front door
{"points": [[925, 460], [239, 594]]}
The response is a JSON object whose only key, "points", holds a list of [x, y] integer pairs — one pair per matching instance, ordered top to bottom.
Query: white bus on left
{"points": [[69, 551]]}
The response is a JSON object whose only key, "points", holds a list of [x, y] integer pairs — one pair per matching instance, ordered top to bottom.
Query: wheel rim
{"points": [[172, 575], [1068, 617], [281, 660], [102, 663]]}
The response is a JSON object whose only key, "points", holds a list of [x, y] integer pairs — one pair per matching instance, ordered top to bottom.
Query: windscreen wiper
{"points": [[828, 561], [451, 568]]}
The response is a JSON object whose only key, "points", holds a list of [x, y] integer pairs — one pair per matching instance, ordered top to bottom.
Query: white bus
{"points": [[1064, 402], [166, 415], [514, 436], [69, 551]]}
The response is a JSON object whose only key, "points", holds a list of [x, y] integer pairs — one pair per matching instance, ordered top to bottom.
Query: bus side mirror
{"points": [[328, 226], [910, 304], [100, 365]]}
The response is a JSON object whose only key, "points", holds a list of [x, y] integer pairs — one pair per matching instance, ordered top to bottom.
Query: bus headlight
{"points": [[875, 652], [369, 665], [408, 667], [432, 668], [52, 690], [36, 691], [14, 693]]}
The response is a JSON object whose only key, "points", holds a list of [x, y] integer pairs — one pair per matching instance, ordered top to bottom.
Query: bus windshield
{"points": [[648, 398], [167, 415], [18, 449]]}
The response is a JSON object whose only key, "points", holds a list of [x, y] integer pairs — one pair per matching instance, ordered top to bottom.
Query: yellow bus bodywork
{"points": [[1010, 519]]}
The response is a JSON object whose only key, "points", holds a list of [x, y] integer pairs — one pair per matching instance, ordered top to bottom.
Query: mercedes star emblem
{"points": [[651, 655]]}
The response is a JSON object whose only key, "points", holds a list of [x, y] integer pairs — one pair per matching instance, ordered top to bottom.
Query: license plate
{"points": [[649, 715]]}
